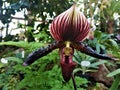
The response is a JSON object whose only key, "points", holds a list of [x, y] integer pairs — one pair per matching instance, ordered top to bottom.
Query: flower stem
{"points": [[74, 83]]}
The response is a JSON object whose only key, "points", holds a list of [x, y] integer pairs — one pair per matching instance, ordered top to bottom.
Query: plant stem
{"points": [[74, 83], [115, 83]]}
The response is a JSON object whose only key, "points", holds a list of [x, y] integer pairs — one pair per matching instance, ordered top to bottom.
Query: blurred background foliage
{"points": [[32, 27]]}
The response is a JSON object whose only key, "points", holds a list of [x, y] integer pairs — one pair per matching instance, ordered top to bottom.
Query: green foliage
{"points": [[112, 8], [105, 42], [29, 47], [117, 71], [45, 73], [8, 76], [38, 76], [116, 82]]}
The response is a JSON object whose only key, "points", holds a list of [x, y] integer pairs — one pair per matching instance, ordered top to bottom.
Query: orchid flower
{"points": [[69, 29]]}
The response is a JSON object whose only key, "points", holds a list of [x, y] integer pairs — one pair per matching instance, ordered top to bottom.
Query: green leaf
{"points": [[98, 34], [114, 43], [25, 45], [102, 46], [98, 47], [18, 60], [98, 63], [2, 65], [80, 69], [114, 73], [80, 81], [6, 87]]}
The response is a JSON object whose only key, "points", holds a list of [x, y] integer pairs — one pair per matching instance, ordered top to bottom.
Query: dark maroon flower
{"points": [[69, 29]]}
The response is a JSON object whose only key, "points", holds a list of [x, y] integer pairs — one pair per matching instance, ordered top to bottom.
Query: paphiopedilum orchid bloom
{"points": [[69, 29]]}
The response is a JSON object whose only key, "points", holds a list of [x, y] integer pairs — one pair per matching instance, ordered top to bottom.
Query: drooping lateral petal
{"points": [[70, 25], [89, 51], [32, 57]]}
